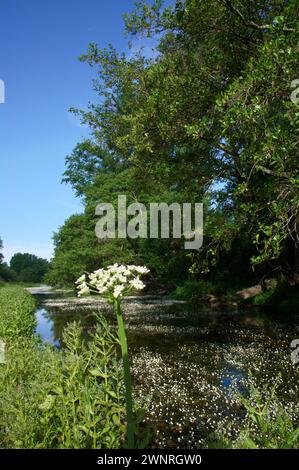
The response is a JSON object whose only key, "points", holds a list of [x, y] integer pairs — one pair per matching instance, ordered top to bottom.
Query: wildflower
{"points": [[141, 269], [81, 279], [113, 282], [137, 284], [83, 289], [118, 290]]}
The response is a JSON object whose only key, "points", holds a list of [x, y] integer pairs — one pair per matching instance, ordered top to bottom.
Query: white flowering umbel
{"points": [[113, 283]]}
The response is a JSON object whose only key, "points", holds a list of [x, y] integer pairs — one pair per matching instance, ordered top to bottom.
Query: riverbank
{"points": [[45, 289], [274, 298]]}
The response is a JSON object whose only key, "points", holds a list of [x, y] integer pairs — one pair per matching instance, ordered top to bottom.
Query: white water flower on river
{"points": [[113, 282]]}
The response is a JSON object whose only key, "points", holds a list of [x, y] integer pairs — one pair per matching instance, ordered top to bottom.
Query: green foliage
{"points": [[207, 118], [1, 248], [77, 250], [29, 268], [7, 274], [193, 290], [282, 299], [16, 314], [50, 398], [69, 399], [269, 423]]}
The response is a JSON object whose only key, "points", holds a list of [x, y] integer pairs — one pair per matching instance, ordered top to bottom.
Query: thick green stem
{"points": [[127, 374]]}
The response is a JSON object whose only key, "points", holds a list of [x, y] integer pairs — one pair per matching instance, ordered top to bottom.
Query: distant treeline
{"points": [[23, 267]]}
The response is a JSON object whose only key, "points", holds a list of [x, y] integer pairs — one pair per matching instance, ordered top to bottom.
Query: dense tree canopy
{"points": [[207, 118], [28, 267]]}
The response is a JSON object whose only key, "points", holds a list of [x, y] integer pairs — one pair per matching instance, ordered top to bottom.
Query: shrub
{"points": [[7, 274], [192, 290], [282, 299]]}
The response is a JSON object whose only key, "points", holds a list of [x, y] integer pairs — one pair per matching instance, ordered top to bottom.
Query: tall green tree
{"points": [[207, 118], [28, 267], [6, 273]]}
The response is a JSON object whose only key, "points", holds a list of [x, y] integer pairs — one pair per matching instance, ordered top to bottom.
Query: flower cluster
{"points": [[113, 282]]}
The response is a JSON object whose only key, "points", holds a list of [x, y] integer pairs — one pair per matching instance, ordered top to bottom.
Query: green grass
{"points": [[5, 284], [193, 290], [16, 314], [68, 398]]}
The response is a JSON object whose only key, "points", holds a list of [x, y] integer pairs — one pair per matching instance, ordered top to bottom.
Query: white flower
{"points": [[113, 268], [141, 269], [120, 278], [81, 279], [113, 281], [137, 284], [83, 289], [101, 289], [117, 291]]}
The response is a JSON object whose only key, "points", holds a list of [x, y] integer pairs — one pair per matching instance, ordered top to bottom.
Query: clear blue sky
{"points": [[40, 42]]}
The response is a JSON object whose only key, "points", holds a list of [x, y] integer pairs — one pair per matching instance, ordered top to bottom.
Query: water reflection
{"points": [[45, 327], [232, 378]]}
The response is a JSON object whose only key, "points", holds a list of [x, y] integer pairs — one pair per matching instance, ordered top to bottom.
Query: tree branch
{"points": [[250, 23], [267, 171]]}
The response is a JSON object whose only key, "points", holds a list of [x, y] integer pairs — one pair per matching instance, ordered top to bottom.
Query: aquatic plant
{"points": [[113, 283], [189, 383], [269, 423]]}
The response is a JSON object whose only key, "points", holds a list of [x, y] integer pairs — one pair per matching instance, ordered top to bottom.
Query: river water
{"points": [[188, 360]]}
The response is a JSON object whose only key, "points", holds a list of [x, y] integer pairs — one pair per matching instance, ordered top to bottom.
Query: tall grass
{"points": [[16, 314], [71, 398], [63, 399]]}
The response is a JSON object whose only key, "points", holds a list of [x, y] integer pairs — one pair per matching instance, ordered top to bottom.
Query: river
{"points": [[188, 360]]}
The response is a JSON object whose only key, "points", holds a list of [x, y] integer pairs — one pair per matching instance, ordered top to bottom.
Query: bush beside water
{"points": [[282, 299]]}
